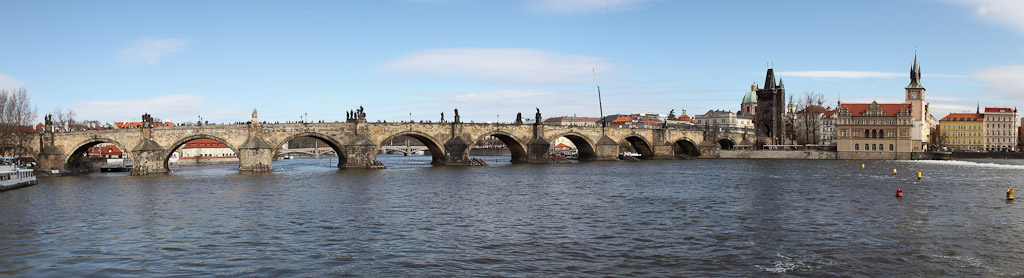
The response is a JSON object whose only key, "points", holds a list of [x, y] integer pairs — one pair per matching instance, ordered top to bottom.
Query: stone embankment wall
{"points": [[772, 154], [995, 155], [207, 161]]}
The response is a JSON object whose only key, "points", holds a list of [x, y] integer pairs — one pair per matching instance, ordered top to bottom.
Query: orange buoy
{"points": [[899, 193]]}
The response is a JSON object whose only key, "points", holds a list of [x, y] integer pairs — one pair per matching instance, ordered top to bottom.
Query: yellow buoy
{"points": [[862, 166], [894, 171], [918, 174], [1009, 194]]}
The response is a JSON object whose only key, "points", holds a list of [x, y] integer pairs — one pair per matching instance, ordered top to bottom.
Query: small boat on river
{"points": [[12, 175]]}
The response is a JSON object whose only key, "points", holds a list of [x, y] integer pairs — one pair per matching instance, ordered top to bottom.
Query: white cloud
{"points": [[587, 6], [1002, 12], [150, 50], [517, 65], [841, 74], [1002, 79], [8, 82], [182, 107]]}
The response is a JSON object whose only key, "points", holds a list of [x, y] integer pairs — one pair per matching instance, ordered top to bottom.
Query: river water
{"points": [[651, 218]]}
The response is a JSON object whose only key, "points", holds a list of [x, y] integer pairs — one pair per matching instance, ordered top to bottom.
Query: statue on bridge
{"points": [[456, 115], [442, 117], [519, 118], [537, 120]]}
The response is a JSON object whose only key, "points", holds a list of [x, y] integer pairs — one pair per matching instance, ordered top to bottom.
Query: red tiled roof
{"points": [[858, 109], [995, 109], [964, 117], [685, 118], [624, 119], [204, 143], [562, 145]]}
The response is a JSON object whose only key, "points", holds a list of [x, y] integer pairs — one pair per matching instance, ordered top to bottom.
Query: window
{"points": [[856, 147], [874, 147], [891, 148]]}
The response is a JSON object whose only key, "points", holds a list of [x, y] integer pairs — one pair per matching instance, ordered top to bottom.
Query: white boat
{"points": [[116, 165], [12, 175]]}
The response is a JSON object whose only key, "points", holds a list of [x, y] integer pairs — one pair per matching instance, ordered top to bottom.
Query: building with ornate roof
{"points": [[748, 107], [770, 117], [874, 131]]}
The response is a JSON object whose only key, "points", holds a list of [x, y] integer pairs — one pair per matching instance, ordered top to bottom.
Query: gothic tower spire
{"points": [[915, 75]]}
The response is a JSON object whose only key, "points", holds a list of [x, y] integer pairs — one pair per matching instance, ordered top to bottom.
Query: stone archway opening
{"points": [[726, 144], [492, 146], [573, 147], [637, 147], [306, 149], [685, 149], [200, 150], [410, 150], [99, 156]]}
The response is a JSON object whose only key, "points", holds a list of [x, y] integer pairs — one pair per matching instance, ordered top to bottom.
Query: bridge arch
{"points": [[726, 143], [514, 144], [640, 144], [335, 145], [174, 146], [436, 147], [586, 148], [685, 148], [79, 150]]}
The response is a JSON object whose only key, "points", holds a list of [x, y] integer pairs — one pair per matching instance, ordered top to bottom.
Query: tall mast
{"points": [[600, 106]]}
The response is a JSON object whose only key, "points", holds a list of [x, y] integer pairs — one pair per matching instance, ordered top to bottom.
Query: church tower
{"points": [[915, 92]]}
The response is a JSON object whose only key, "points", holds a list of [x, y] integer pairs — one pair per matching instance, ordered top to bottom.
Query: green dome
{"points": [[751, 97]]}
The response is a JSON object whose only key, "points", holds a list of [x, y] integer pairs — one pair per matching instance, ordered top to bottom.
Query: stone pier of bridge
{"points": [[357, 142]]}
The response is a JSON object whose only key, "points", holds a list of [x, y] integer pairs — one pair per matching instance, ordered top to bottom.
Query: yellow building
{"points": [[963, 132]]}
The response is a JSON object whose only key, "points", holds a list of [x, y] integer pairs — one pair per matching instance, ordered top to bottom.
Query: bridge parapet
{"points": [[357, 142]]}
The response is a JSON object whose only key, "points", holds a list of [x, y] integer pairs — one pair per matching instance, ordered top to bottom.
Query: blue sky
{"points": [[178, 60]]}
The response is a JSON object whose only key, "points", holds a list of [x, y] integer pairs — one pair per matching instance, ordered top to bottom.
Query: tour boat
{"points": [[13, 176]]}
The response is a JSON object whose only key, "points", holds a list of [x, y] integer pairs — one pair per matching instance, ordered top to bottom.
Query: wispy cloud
{"points": [[587, 6], [1000, 12], [315, 15], [150, 50], [517, 65], [824, 74], [840, 74], [1002, 79], [8, 82], [181, 107]]}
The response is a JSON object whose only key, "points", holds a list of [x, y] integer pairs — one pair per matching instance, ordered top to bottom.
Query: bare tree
{"points": [[16, 117], [808, 118], [63, 119]]}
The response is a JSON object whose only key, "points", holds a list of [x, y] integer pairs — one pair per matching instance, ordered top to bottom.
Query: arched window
{"points": [[867, 134], [881, 134], [856, 147], [874, 147], [892, 148]]}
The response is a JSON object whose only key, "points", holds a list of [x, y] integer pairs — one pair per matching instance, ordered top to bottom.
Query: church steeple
{"points": [[915, 75]]}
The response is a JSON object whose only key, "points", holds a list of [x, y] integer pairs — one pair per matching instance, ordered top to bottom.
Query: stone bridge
{"points": [[357, 142]]}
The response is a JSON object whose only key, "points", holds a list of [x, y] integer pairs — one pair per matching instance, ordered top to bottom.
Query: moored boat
{"points": [[12, 175]]}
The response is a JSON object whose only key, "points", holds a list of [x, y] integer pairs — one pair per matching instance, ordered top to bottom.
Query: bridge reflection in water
{"points": [[357, 142]]}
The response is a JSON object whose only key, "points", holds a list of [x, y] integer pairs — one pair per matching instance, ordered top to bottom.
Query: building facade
{"points": [[719, 118], [1000, 129], [874, 131], [963, 132], [205, 151]]}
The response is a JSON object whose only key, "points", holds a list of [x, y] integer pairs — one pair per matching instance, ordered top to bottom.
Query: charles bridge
{"points": [[357, 141]]}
